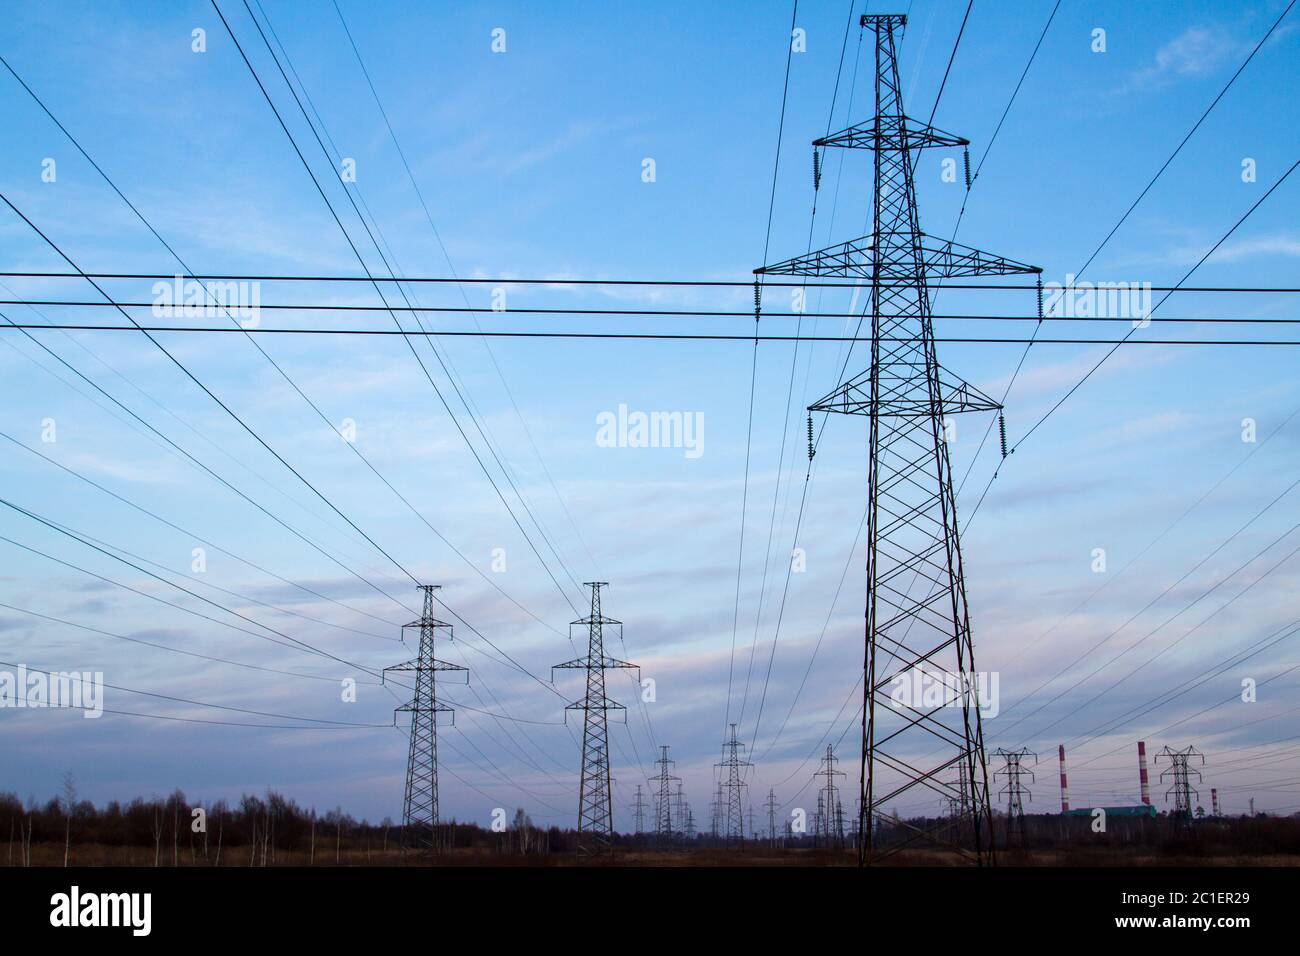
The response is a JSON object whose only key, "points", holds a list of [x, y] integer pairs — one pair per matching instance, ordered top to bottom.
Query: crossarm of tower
{"points": [[891, 132], [847, 259], [855, 259], [950, 260], [956, 395], [427, 622], [584, 662], [416, 665], [604, 704], [425, 708], [418, 709]]}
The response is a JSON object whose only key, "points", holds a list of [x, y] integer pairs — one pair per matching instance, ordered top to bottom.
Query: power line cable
{"points": [[361, 260], [563, 282], [635, 336], [753, 365], [190, 534]]}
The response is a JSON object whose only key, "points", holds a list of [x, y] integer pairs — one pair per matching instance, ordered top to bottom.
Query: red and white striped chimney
{"points": [[1142, 773], [1065, 789], [1214, 800]]}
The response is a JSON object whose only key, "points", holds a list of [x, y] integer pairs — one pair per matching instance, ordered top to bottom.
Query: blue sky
{"points": [[530, 162]]}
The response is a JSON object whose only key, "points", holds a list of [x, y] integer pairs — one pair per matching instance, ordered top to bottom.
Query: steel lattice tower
{"points": [[916, 613], [1013, 769], [1181, 772], [664, 796], [420, 803], [771, 806], [595, 807], [955, 808], [638, 809], [732, 814], [831, 817], [716, 826]]}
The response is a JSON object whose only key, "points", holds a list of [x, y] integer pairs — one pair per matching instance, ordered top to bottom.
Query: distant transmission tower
{"points": [[917, 619], [1013, 769], [1180, 771], [664, 798], [420, 803], [955, 805], [771, 806], [952, 807], [595, 809], [638, 809], [679, 810], [830, 816], [731, 817], [716, 827]]}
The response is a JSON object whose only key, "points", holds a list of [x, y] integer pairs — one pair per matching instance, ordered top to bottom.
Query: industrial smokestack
{"points": [[1142, 773], [1065, 788], [1214, 800]]}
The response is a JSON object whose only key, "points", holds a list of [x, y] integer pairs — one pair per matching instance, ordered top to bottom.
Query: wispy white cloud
{"points": [[1194, 52], [575, 133], [1275, 245], [1187, 247], [141, 473]]}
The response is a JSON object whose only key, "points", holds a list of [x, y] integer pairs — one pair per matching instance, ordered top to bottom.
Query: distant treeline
{"points": [[271, 830], [254, 831], [1260, 835]]}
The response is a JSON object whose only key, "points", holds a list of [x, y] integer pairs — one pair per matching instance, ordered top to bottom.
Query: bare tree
{"points": [[69, 805], [157, 833]]}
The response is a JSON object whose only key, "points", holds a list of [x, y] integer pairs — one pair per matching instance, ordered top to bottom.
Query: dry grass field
{"points": [[99, 855]]}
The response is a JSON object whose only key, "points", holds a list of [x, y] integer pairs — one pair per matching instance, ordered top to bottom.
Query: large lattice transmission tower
{"points": [[917, 621], [733, 767], [1014, 770], [1180, 772], [663, 782], [420, 801], [955, 804], [595, 807], [680, 808], [638, 810], [831, 818], [715, 827]]}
